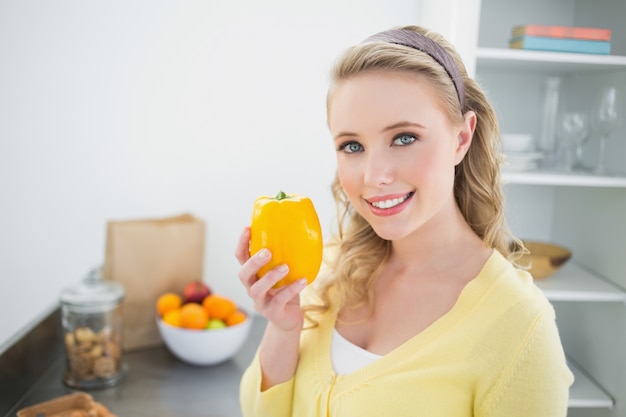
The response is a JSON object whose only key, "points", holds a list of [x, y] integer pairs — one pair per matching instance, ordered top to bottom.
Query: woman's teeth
{"points": [[385, 204]]}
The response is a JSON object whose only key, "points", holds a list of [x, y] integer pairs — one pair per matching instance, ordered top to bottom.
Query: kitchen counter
{"points": [[157, 384]]}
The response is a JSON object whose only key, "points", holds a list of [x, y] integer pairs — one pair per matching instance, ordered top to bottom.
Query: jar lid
{"points": [[93, 292]]}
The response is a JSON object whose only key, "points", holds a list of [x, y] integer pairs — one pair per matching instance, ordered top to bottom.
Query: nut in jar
{"points": [[92, 321]]}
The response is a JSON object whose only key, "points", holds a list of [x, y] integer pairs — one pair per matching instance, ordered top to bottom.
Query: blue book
{"points": [[540, 43]]}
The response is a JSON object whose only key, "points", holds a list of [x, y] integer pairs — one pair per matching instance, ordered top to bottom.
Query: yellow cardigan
{"points": [[497, 352]]}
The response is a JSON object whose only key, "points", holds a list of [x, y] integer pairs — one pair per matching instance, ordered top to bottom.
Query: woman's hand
{"points": [[279, 306]]}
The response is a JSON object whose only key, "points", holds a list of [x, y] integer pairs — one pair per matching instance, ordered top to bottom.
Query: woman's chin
{"points": [[390, 233]]}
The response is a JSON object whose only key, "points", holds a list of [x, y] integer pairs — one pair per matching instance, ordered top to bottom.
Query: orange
{"points": [[168, 301], [218, 307], [193, 316], [172, 318], [235, 318]]}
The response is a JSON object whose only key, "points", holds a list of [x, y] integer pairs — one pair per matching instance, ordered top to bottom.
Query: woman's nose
{"points": [[379, 170]]}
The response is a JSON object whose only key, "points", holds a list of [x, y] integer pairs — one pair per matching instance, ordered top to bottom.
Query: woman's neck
{"points": [[446, 239]]}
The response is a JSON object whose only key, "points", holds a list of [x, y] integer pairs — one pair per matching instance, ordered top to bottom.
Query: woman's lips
{"points": [[389, 205]]}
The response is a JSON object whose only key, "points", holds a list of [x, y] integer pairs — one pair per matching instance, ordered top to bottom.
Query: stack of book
{"points": [[561, 39]]}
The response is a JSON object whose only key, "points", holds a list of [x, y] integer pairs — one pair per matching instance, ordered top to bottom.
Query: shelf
{"points": [[558, 62], [562, 178], [573, 282], [585, 393]]}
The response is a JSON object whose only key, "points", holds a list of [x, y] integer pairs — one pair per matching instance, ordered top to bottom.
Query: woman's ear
{"points": [[465, 136]]}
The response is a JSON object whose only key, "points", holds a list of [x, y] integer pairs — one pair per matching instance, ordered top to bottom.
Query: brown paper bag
{"points": [[151, 257]]}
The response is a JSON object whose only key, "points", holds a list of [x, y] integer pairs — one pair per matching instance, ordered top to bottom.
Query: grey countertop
{"points": [[158, 384]]}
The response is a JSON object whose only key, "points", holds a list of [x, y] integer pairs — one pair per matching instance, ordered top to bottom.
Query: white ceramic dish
{"points": [[517, 142], [205, 347]]}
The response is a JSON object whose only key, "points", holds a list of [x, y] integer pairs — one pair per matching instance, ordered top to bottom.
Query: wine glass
{"points": [[607, 118], [573, 130]]}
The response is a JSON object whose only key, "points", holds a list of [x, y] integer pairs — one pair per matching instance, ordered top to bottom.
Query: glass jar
{"points": [[92, 322]]}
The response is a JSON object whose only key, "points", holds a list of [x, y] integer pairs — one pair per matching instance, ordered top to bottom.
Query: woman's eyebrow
{"points": [[402, 124], [385, 129], [344, 134]]}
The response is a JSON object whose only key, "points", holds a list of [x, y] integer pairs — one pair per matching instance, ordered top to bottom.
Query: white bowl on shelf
{"points": [[517, 142]]}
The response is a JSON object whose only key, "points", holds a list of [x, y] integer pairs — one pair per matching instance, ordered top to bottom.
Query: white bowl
{"points": [[517, 142], [205, 347]]}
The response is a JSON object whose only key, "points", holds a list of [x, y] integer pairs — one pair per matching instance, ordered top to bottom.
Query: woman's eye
{"points": [[404, 139], [351, 147]]}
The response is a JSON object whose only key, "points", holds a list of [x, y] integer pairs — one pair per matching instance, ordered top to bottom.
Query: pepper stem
{"points": [[281, 195]]}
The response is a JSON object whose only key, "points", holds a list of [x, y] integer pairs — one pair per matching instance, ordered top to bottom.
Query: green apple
{"points": [[215, 324]]}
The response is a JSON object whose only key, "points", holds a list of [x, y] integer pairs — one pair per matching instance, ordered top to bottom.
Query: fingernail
{"points": [[263, 253], [283, 268], [303, 282]]}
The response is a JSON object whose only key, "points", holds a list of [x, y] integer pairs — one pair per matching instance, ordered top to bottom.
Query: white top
{"points": [[348, 357]]}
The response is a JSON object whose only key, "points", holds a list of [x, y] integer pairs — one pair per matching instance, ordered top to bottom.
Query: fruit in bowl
{"points": [[195, 292], [205, 333], [205, 347]]}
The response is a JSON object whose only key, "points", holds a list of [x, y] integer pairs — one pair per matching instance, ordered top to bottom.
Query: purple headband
{"points": [[423, 43]]}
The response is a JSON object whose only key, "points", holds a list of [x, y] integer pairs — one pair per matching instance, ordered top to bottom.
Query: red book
{"points": [[595, 34]]}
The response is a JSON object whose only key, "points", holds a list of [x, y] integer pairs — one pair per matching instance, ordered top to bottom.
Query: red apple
{"points": [[195, 291]]}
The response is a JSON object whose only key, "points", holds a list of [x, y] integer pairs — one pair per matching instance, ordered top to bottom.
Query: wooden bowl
{"points": [[544, 258]]}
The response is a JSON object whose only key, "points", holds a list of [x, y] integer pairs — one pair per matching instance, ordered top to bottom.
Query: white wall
{"points": [[132, 109]]}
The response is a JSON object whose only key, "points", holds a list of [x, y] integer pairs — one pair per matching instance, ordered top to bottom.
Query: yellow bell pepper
{"points": [[289, 227]]}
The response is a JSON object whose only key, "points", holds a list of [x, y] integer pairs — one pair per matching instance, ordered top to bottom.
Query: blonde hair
{"points": [[356, 252]]}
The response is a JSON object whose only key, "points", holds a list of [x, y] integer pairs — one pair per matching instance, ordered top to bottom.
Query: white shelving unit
{"points": [[549, 62], [574, 179], [574, 282], [585, 393]]}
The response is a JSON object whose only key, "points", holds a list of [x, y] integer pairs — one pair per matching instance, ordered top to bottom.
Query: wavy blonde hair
{"points": [[356, 252]]}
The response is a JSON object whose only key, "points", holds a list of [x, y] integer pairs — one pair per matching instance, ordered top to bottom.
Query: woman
{"points": [[421, 310]]}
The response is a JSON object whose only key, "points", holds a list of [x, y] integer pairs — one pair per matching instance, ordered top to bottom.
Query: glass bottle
{"points": [[547, 136], [92, 322]]}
